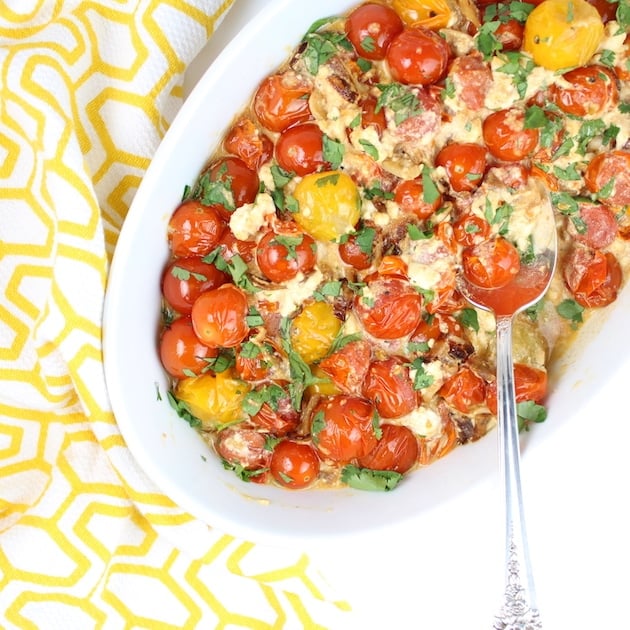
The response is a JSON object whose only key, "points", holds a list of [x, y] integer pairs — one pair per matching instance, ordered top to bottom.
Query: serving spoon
{"points": [[518, 610]]}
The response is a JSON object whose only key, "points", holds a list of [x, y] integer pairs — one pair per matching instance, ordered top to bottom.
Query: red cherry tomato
{"points": [[607, 10], [371, 28], [510, 34], [418, 56], [472, 77], [592, 90], [281, 100], [372, 115], [506, 136], [248, 143], [299, 149], [465, 164], [608, 176], [242, 181], [410, 197], [598, 224], [194, 229], [471, 229], [231, 246], [282, 254], [354, 255], [491, 264], [593, 277], [185, 279], [391, 309], [219, 316], [181, 352], [256, 366], [348, 366], [530, 383], [390, 388], [464, 390], [280, 418], [343, 427], [243, 446], [396, 450], [294, 464]]}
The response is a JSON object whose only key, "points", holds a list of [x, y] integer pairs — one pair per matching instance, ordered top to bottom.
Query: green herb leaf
{"points": [[400, 99], [369, 148], [333, 151], [430, 192], [571, 310], [469, 318], [421, 377], [183, 410], [528, 412], [244, 474], [371, 480]]}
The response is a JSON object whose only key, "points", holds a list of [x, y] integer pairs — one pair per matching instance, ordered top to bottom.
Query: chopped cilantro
{"points": [[322, 46], [400, 99], [369, 148], [333, 151], [430, 192], [235, 266], [184, 274], [571, 310], [469, 318], [421, 378], [528, 412], [244, 474], [368, 479]]}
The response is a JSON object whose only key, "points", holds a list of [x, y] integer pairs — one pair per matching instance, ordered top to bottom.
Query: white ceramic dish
{"points": [[169, 451]]}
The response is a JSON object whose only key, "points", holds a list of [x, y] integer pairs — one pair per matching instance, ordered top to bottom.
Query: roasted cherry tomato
{"points": [[432, 14], [371, 28], [562, 33], [510, 34], [418, 56], [472, 77], [592, 90], [281, 100], [372, 115], [506, 136], [249, 143], [299, 149], [464, 163], [608, 176], [242, 182], [410, 196], [329, 204], [597, 225], [194, 229], [471, 229], [231, 246], [354, 250], [285, 252], [491, 264], [593, 277], [185, 279], [390, 308], [219, 316], [313, 330], [181, 352], [348, 366], [530, 383], [390, 388], [464, 390], [215, 399], [278, 415], [343, 427], [243, 446], [397, 450], [294, 464]]}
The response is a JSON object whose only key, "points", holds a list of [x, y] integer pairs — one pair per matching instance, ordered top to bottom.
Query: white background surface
{"points": [[447, 573]]}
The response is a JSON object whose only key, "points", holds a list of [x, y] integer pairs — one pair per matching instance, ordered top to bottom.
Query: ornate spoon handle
{"points": [[518, 611]]}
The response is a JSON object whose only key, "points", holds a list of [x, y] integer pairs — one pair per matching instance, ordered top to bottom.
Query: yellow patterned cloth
{"points": [[87, 90]]}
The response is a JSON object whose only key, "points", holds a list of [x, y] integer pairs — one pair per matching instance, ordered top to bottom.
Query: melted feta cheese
{"points": [[247, 220], [293, 293], [423, 421]]}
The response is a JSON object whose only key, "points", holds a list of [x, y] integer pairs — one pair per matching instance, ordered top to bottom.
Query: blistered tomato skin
{"points": [[371, 28], [562, 33], [418, 56], [592, 90], [281, 100], [507, 137], [248, 143], [299, 149], [465, 165], [608, 176], [241, 181], [194, 229], [284, 253], [491, 264], [185, 279], [219, 316], [313, 331], [181, 352], [389, 385], [343, 428], [397, 450], [294, 464]]}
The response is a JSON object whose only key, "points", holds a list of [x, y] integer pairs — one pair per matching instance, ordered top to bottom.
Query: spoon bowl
{"points": [[527, 286]]}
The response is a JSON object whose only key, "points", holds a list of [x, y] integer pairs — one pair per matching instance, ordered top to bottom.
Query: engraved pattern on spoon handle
{"points": [[518, 611]]}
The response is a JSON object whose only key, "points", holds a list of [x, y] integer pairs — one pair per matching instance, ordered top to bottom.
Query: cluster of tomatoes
{"points": [[296, 397]]}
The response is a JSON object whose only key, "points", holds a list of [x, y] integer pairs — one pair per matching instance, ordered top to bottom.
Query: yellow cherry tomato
{"points": [[432, 14], [563, 33], [329, 204], [314, 330], [325, 387], [214, 399]]}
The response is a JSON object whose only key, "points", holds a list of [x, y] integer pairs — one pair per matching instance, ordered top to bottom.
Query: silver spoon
{"points": [[518, 610]]}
